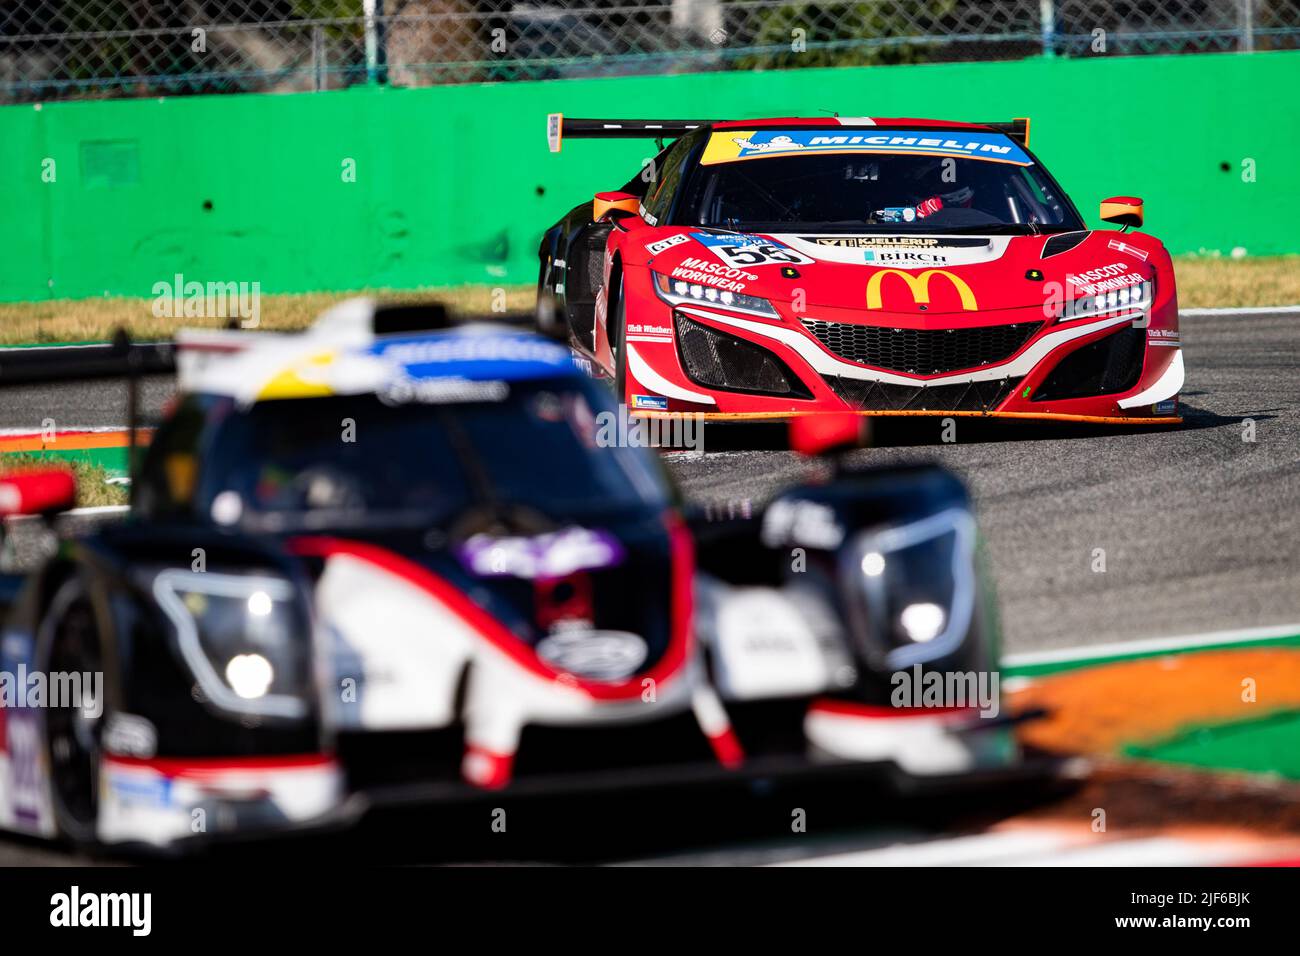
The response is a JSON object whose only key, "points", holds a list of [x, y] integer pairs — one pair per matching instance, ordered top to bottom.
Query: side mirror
{"points": [[605, 203], [1122, 210], [823, 433], [37, 492]]}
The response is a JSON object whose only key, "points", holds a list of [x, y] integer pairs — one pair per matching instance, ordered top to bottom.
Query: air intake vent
{"points": [[1062, 242], [717, 360], [1104, 367], [886, 397]]}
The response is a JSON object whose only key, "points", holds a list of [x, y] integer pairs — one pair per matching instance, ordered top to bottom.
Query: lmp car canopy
{"points": [[558, 127], [348, 351]]}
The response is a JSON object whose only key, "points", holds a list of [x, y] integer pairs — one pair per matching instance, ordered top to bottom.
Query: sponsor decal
{"points": [[554, 131], [730, 145], [895, 242], [1120, 245], [655, 248], [736, 249], [915, 259], [713, 274], [1104, 279], [919, 287], [645, 329], [1169, 335], [474, 348], [441, 391], [650, 401], [1167, 407], [796, 521], [549, 555], [601, 655], [131, 736], [27, 771], [141, 789]]}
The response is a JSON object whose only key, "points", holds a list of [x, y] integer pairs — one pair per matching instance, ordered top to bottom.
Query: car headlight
{"points": [[682, 292], [1132, 298], [912, 588], [243, 636]]}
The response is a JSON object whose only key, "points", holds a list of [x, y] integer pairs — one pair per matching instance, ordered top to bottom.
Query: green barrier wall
{"points": [[454, 185]]}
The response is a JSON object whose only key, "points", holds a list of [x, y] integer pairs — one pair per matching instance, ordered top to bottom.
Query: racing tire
{"points": [[69, 636]]}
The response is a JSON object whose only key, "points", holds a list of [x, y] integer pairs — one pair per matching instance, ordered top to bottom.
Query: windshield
{"points": [[780, 184], [531, 444]]}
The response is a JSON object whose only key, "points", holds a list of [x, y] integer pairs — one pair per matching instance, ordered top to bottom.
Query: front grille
{"points": [[922, 351], [717, 360], [886, 397]]}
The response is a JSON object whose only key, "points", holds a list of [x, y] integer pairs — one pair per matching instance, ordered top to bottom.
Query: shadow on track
{"points": [[912, 431], [747, 823]]}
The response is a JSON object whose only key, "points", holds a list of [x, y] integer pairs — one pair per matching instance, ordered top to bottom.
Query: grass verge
{"points": [[1202, 283], [91, 320], [93, 489]]}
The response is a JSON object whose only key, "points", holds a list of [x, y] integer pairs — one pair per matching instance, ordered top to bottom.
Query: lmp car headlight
{"points": [[681, 292], [1133, 298], [912, 588], [243, 636]]}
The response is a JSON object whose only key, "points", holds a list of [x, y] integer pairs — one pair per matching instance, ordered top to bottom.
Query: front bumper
{"points": [[1123, 368], [177, 803]]}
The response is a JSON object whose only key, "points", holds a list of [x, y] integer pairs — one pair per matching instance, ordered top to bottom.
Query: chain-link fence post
{"points": [[1247, 9], [1047, 14], [318, 57]]}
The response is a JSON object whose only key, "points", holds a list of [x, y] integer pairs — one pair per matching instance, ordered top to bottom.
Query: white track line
{"points": [[1232, 313], [89, 429], [76, 512], [1151, 645], [1052, 846], [978, 850], [1150, 851]]}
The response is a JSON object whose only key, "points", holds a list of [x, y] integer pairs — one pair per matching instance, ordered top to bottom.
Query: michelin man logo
{"points": [[776, 142]]}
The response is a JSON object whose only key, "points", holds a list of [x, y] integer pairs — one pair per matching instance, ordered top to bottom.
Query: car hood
{"points": [[902, 273]]}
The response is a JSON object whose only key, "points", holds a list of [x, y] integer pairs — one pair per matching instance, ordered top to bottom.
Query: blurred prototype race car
{"points": [[767, 268], [371, 562]]}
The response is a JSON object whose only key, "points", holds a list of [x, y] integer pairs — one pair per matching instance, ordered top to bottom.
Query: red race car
{"points": [[770, 268]]}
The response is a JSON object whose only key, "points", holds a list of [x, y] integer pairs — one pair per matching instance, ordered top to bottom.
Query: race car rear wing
{"points": [[558, 127], [1017, 129]]}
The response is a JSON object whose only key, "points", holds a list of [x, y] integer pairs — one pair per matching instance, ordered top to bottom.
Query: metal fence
{"points": [[56, 49]]}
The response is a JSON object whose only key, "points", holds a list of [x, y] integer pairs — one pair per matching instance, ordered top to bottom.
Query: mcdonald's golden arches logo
{"points": [[919, 285]]}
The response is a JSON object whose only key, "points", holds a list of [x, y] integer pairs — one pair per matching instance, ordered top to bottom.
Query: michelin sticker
{"points": [[733, 144], [738, 249]]}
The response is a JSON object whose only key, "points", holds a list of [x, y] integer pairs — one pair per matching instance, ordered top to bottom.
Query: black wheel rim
{"points": [[74, 735]]}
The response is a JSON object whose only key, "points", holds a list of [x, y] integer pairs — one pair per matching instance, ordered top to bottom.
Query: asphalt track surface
{"points": [[1200, 528]]}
